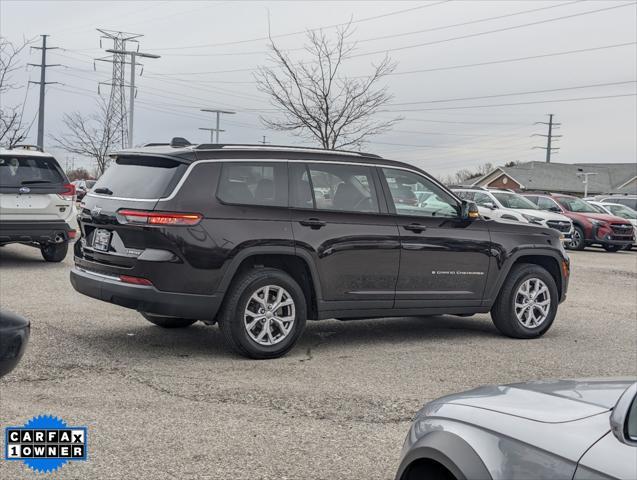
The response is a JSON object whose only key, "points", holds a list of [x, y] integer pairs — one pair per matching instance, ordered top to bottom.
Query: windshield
{"points": [[32, 171], [515, 201], [573, 204], [622, 211]]}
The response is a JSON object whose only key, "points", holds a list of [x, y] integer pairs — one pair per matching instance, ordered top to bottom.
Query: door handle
{"points": [[313, 223], [415, 227]]}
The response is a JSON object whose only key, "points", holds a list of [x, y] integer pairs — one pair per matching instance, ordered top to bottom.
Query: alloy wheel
{"points": [[532, 303], [269, 315]]}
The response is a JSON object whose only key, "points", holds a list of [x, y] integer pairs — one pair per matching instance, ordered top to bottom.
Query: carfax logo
{"points": [[45, 443]]}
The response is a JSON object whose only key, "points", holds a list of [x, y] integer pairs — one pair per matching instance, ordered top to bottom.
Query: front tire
{"points": [[578, 242], [54, 252], [527, 303], [264, 314], [168, 322]]}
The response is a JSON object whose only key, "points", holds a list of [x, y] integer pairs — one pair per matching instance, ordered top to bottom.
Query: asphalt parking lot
{"points": [[175, 404]]}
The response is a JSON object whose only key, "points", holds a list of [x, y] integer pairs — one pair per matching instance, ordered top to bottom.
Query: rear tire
{"points": [[578, 242], [611, 248], [54, 252], [513, 307], [250, 321], [168, 322]]}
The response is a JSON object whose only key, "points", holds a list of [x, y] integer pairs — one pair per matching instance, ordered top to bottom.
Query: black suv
{"points": [[261, 238]]}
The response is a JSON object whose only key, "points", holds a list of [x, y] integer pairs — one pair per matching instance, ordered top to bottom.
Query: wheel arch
{"points": [[285, 259], [444, 449]]}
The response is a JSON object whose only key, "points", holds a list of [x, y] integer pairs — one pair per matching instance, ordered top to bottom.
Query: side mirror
{"points": [[490, 205], [555, 209], [470, 210], [623, 420]]}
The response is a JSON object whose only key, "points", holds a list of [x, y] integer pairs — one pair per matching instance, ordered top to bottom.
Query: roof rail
{"points": [[155, 144], [25, 146], [247, 146]]}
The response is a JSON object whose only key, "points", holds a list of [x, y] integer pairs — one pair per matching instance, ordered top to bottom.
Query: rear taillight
{"points": [[68, 192], [160, 218], [72, 233], [135, 280]]}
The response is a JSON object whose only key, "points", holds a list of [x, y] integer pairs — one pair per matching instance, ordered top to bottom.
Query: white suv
{"points": [[36, 202], [508, 205]]}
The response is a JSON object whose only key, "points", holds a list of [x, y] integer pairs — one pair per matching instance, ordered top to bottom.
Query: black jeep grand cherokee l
{"points": [[261, 238]]}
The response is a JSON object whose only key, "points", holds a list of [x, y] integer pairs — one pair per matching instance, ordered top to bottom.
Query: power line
{"points": [[497, 30], [282, 35], [594, 85], [517, 103]]}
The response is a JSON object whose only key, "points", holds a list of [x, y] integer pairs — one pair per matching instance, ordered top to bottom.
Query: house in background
{"points": [[564, 178]]}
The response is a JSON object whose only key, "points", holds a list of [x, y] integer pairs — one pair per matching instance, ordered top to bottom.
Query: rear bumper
{"points": [[29, 231], [144, 298]]}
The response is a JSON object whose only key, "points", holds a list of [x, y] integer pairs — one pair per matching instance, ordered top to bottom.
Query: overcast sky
{"points": [[208, 49]]}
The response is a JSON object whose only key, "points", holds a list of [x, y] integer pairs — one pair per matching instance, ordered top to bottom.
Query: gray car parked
{"points": [[564, 429]]}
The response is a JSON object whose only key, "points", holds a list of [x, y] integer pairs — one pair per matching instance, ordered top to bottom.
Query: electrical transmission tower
{"points": [[43, 83], [116, 110], [214, 132], [550, 137]]}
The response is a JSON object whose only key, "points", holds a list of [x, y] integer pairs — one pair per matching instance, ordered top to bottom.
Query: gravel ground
{"points": [[175, 404]]}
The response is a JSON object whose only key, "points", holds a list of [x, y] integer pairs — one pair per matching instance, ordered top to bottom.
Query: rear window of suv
{"points": [[18, 171], [142, 177]]}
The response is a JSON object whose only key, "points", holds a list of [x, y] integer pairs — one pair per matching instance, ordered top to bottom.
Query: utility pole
{"points": [[43, 66], [131, 102], [215, 130], [549, 138], [263, 141], [582, 174]]}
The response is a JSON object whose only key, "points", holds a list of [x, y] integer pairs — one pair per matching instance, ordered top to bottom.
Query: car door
{"points": [[340, 222], [444, 259]]}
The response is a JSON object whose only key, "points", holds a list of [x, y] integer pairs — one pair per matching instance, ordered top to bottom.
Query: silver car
{"points": [[564, 429]]}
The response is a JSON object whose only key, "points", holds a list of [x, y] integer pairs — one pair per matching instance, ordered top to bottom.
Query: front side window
{"points": [[255, 183], [348, 188], [413, 194], [483, 200], [512, 200], [547, 204], [574, 204], [622, 211]]}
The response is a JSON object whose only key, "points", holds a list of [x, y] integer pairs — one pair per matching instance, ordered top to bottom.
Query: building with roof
{"points": [[564, 178]]}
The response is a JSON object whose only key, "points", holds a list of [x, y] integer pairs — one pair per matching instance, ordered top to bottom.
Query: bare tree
{"points": [[317, 100], [13, 129], [93, 136]]}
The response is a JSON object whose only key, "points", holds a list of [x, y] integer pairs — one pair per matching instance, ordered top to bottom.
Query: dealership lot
{"points": [[176, 404]]}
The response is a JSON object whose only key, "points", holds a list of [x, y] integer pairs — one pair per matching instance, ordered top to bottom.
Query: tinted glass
{"points": [[29, 171], [140, 177], [254, 183], [300, 187], [348, 188], [416, 195], [464, 195], [512, 200], [598, 208], [631, 422]]}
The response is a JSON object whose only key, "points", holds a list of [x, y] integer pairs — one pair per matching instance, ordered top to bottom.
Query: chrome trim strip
{"points": [[101, 275]]}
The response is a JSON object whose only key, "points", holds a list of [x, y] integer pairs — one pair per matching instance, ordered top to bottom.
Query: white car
{"points": [[36, 202], [508, 205], [618, 210]]}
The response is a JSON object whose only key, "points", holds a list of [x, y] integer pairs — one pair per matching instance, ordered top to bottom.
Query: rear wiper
{"points": [[27, 182], [104, 190]]}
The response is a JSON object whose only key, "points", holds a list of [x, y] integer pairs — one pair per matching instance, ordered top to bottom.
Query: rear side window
{"points": [[31, 171], [140, 177], [247, 183], [347, 188]]}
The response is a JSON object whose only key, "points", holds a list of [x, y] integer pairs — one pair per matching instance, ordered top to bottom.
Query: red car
{"points": [[591, 227]]}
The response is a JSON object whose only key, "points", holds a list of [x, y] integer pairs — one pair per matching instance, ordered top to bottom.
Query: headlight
{"points": [[532, 218], [599, 223]]}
